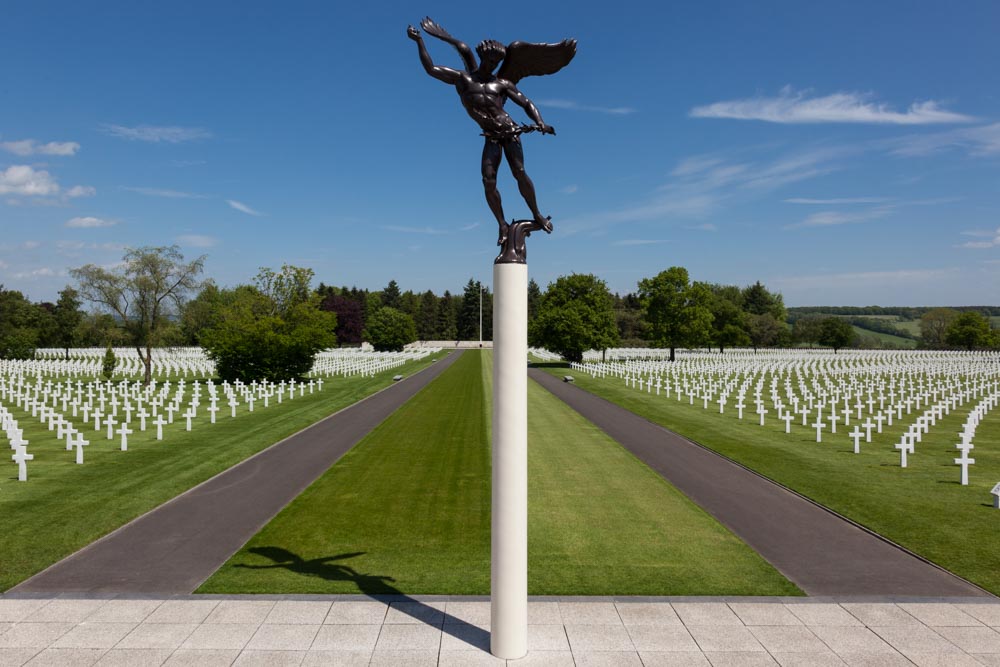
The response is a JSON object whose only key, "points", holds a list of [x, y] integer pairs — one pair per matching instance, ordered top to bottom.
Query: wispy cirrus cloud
{"points": [[576, 106], [790, 106], [170, 134], [980, 141], [27, 147], [164, 192], [836, 201], [242, 208], [833, 218], [89, 222], [429, 231], [989, 239], [197, 240], [634, 242], [905, 277]]}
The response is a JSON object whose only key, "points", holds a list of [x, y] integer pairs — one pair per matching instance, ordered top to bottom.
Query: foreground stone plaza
{"points": [[439, 630]]}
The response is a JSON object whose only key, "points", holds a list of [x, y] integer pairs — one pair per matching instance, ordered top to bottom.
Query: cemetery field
{"points": [[65, 506], [922, 507], [408, 510]]}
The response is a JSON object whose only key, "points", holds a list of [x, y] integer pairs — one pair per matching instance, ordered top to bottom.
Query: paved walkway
{"points": [[178, 545], [823, 553], [354, 630]]}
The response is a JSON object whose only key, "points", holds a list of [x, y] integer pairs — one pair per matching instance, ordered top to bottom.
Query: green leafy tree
{"points": [[144, 291], [391, 296], [534, 298], [758, 300], [203, 311], [676, 312], [468, 314], [575, 314], [67, 317], [426, 320], [729, 322], [18, 325], [934, 326], [447, 327], [270, 330], [390, 330], [808, 330], [969, 330], [765, 331], [836, 332], [109, 363]]}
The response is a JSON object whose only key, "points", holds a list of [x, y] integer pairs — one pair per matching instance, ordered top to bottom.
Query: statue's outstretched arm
{"points": [[433, 29], [446, 74], [529, 108]]}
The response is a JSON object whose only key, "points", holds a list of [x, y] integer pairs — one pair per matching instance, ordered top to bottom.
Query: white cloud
{"points": [[575, 106], [797, 107], [170, 134], [981, 141], [31, 147], [25, 180], [569, 189], [81, 191], [162, 192], [836, 202], [240, 206], [833, 218], [89, 222], [707, 227], [431, 231], [991, 239], [197, 241], [631, 242], [31, 245], [3, 265], [43, 272], [825, 280]]}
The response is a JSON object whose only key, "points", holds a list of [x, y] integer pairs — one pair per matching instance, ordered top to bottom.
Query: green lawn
{"points": [[896, 341], [64, 506], [922, 507], [407, 510]]}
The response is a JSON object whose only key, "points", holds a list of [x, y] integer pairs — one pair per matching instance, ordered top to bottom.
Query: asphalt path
{"points": [[175, 547], [820, 551]]}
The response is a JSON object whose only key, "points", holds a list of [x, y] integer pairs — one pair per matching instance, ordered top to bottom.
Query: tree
{"points": [[143, 292], [391, 295], [534, 298], [757, 300], [676, 311], [202, 312], [468, 314], [575, 314], [349, 320], [426, 320], [729, 322], [934, 325], [447, 327], [18, 330], [270, 330], [390, 330], [764, 330], [808, 330], [969, 330], [836, 332], [109, 363]]}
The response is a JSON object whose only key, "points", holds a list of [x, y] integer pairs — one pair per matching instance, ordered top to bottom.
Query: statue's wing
{"points": [[435, 30], [527, 59]]}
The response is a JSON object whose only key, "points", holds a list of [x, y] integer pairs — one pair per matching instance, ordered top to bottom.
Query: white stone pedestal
{"points": [[509, 540]]}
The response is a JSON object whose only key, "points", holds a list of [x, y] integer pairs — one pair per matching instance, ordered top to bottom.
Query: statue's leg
{"points": [[492, 152], [515, 158]]}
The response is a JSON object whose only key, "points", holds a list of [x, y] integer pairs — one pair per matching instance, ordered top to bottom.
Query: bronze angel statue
{"points": [[484, 94]]}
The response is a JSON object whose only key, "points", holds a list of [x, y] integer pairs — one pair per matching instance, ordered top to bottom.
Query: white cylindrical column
{"points": [[509, 540]]}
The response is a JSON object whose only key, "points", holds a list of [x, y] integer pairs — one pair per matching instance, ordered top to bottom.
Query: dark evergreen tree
{"points": [[391, 296], [427, 317]]}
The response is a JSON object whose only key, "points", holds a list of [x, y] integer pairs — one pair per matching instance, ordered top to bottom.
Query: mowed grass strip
{"points": [[64, 506], [922, 507], [408, 511]]}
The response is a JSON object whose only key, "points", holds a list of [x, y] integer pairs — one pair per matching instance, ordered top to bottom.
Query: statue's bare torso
{"points": [[484, 101]]}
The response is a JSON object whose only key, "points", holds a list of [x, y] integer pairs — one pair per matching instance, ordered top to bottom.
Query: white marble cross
{"points": [[159, 421], [819, 425], [124, 432], [856, 436], [80, 443], [20, 457], [965, 462]]}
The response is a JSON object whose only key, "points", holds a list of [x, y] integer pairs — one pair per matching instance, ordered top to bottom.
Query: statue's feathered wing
{"points": [[527, 59]]}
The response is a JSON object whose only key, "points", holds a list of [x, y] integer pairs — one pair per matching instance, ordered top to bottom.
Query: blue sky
{"points": [[842, 153]]}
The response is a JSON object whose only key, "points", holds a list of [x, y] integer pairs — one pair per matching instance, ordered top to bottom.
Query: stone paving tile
{"points": [[14, 611], [65, 611], [124, 611], [182, 611], [240, 611], [298, 612], [357, 613], [430, 613], [475, 613], [544, 613], [589, 613], [647, 613], [706, 613], [764, 613], [813, 613], [938, 613], [988, 613], [880, 614], [4, 627], [34, 635], [94, 635], [157, 636], [220, 636], [273, 637], [408, 637], [465, 637], [346, 638], [547, 638], [585, 638], [661, 638], [722, 638], [788, 639], [849, 640], [910, 640], [972, 640], [15, 657], [67, 657], [134, 657], [201, 658], [424, 658], [270, 659], [337, 659], [469, 659], [544, 659], [607, 659], [673, 659], [740, 659], [821, 659], [855, 659], [991, 659], [943, 660]]}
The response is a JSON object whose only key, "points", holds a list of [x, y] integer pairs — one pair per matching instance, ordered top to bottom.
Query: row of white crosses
{"points": [[349, 361], [916, 387], [15, 436]]}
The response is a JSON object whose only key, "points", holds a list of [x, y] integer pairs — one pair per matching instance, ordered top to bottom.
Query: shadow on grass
{"points": [[549, 364], [378, 587]]}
